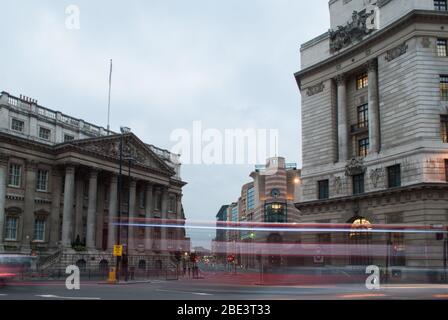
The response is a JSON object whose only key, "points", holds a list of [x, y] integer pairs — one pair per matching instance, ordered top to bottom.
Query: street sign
{"points": [[118, 250]]}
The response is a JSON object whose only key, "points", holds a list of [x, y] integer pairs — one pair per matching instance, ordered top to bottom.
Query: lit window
{"points": [[440, 5], [441, 47], [362, 81], [444, 87], [17, 125], [444, 128], [44, 133], [363, 147], [15, 175], [42, 180], [11, 224], [360, 224], [39, 229]]}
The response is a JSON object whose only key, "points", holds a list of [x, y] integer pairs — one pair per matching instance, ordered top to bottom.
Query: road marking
{"points": [[186, 292], [3, 295], [364, 295], [50, 296]]}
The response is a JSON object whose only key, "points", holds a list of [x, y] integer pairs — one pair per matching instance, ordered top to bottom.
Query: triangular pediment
{"points": [[133, 147]]}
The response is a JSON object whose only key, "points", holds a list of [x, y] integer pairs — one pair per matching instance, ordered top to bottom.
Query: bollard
{"points": [[112, 275]]}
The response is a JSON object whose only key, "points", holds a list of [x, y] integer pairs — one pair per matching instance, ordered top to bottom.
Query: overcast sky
{"points": [[229, 64]]}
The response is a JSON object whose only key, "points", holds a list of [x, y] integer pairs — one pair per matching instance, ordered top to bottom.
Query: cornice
{"points": [[426, 15]]}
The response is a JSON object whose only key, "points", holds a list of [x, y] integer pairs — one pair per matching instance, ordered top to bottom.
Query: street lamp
{"points": [[123, 130], [130, 160]]}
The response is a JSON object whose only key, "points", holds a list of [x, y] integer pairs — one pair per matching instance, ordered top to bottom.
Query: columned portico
{"points": [[342, 118], [374, 121], [3, 175], [91, 211], [67, 216]]}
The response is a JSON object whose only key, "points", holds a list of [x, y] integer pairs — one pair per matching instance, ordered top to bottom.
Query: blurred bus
{"points": [[13, 266]]}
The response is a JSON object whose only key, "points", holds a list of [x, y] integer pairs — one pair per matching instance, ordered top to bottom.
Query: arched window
{"points": [[359, 241]]}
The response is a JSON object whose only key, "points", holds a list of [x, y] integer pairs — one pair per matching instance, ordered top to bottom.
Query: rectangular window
{"points": [[440, 5], [441, 47], [362, 81], [444, 87], [363, 116], [17, 125], [444, 128], [44, 133], [68, 137], [363, 147], [446, 170], [15, 175], [394, 176], [42, 180], [358, 184], [324, 192], [141, 199], [250, 199], [158, 201], [172, 204], [235, 213], [11, 224], [39, 229]]}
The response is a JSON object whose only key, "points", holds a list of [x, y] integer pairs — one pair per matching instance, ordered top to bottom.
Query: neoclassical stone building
{"points": [[375, 110], [60, 189]]}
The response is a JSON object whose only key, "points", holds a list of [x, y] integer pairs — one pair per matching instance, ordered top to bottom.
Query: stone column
{"points": [[342, 118], [374, 119], [3, 175], [56, 184], [69, 195], [79, 208], [113, 210], [91, 211], [164, 212], [132, 214], [100, 215], [28, 216], [149, 216], [180, 223]]}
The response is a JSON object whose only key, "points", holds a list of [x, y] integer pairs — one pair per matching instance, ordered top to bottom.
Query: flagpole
{"points": [[108, 104]]}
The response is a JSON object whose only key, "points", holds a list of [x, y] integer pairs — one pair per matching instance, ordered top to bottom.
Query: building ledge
{"points": [[373, 194]]}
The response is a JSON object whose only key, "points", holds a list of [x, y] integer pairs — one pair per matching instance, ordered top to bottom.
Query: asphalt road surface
{"points": [[213, 289]]}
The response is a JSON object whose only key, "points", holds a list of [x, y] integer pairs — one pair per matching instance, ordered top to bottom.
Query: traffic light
{"points": [[178, 256], [193, 257], [230, 258]]}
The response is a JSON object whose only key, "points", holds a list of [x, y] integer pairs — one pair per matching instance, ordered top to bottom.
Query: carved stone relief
{"points": [[396, 52], [376, 176]]}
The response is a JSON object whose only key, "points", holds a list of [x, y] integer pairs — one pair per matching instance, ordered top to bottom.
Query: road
{"points": [[213, 289]]}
